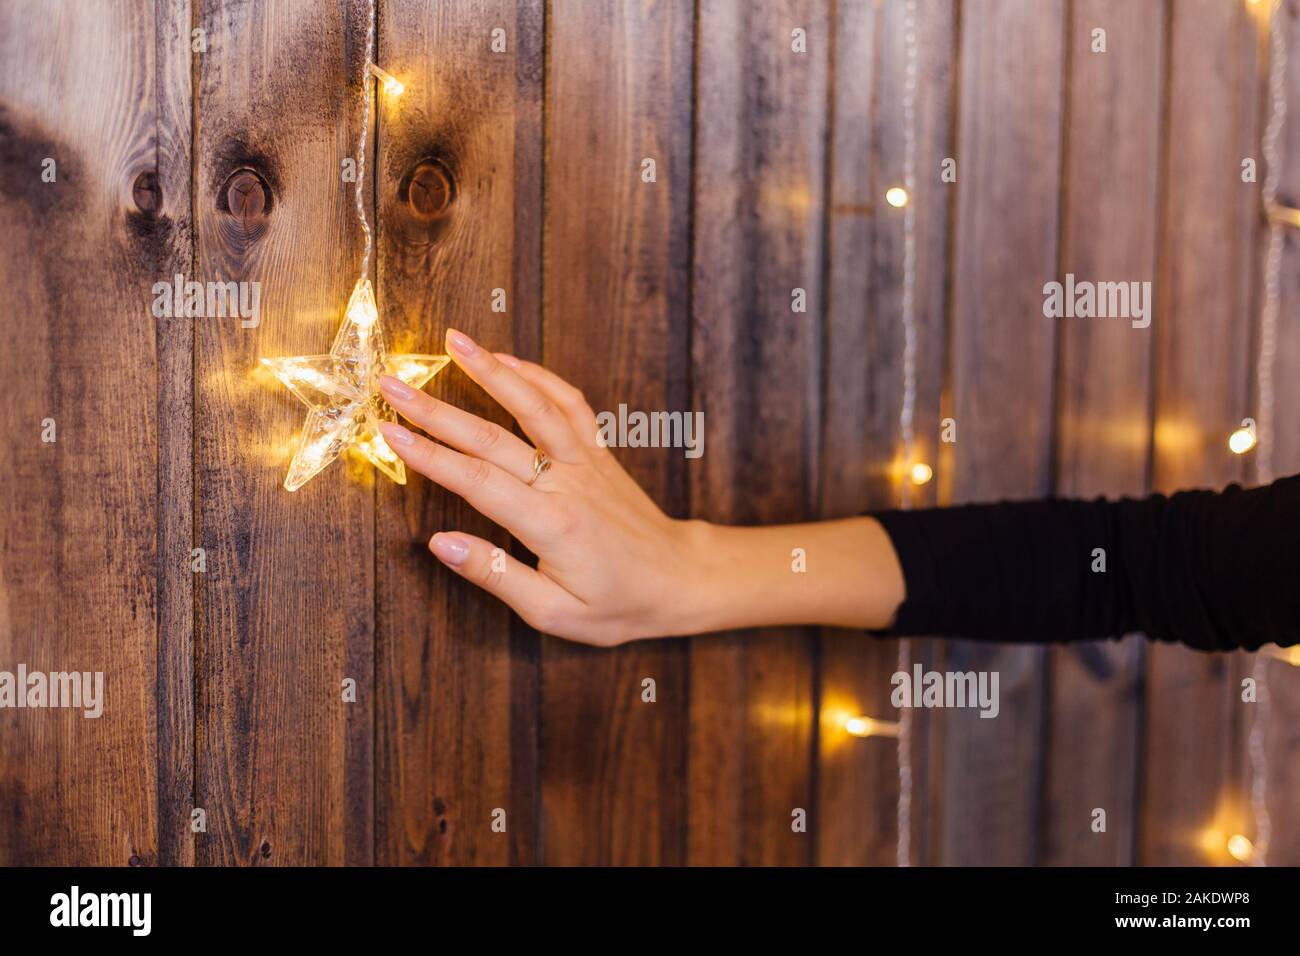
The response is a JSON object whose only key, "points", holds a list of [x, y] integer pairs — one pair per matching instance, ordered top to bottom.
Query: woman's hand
{"points": [[612, 566]]}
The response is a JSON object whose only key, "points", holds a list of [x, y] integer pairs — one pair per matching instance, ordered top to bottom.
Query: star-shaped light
{"points": [[342, 391]]}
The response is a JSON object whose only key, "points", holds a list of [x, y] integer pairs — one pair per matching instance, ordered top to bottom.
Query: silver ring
{"points": [[541, 462]]}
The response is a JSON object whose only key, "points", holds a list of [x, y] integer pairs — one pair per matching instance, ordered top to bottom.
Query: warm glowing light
{"points": [[1260, 10], [392, 85], [896, 196], [1287, 215], [341, 390], [1241, 441], [921, 473], [1287, 655], [870, 727], [1212, 841], [1241, 848]]}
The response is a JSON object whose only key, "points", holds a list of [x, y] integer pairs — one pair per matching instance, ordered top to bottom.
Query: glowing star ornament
{"points": [[341, 390]]}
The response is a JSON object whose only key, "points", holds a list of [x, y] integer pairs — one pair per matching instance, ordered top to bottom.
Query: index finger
{"points": [[539, 417], [526, 513]]}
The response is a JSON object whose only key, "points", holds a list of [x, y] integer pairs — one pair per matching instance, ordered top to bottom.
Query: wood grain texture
{"points": [[618, 92], [1009, 149], [759, 235], [1103, 432], [861, 446], [82, 522], [175, 567], [223, 688], [457, 704], [1194, 715], [283, 763], [1281, 768]]}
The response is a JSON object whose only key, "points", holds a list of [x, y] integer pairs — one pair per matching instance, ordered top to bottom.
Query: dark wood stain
{"points": [[613, 324], [451, 716]]}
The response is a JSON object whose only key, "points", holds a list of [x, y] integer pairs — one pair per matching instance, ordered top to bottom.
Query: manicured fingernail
{"points": [[461, 343], [505, 358], [395, 389], [395, 434], [449, 548]]}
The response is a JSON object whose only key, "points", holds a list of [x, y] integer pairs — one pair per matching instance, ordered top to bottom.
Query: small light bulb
{"points": [[392, 85], [896, 196], [1241, 441], [921, 473], [858, 726], [870, 727], [1240, 848]]}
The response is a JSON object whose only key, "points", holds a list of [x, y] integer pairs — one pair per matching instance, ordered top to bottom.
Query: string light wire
{"points": [[361, 142], [1264, 376], [907, 410]]}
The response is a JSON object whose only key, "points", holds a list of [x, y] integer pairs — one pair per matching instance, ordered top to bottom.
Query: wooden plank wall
{"points": [[1009, 157], [522, 170], [759, 187], [616, 260], [1206, 272], [1103, 403], [94, 560], [288, 594], [457, 698], [1282, 739], [858, 779]]}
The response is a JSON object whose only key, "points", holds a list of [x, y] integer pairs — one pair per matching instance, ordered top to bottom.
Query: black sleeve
{"points": [[1212, 570]]}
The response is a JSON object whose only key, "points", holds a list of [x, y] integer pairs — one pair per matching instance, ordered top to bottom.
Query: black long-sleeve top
{"points": [[1212, 570]]}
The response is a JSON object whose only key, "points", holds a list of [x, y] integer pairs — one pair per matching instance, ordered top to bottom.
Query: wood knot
{"points": [[428, 190], [147, 194], [426, 195], [245, 198], [265, 850]]}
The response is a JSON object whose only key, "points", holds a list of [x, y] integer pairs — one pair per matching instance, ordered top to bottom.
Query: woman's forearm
{"points": [[1210, 570], [835, 573]]}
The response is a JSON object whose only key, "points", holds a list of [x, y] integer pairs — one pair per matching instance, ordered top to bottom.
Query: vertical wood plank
{"points": [[618, 91], [1009, 149], [759, 189], [1108, 232], [861, 450], [83, 523], [175, 656], [457, 705], [1194, 714], [1282, 735], [284, 765]]}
